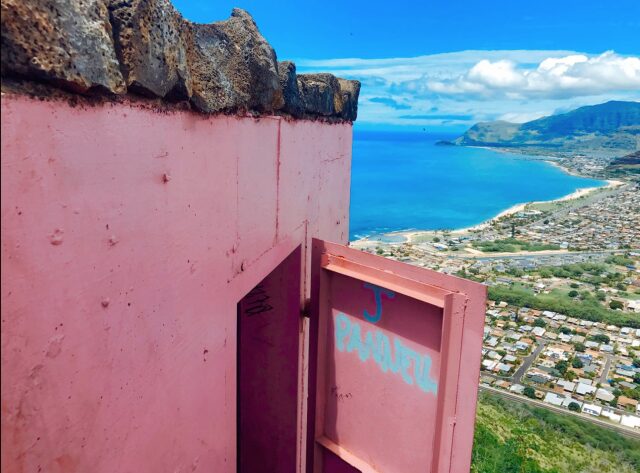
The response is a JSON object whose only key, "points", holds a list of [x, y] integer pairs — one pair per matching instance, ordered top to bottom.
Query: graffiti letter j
{"points": [[377, 294]]}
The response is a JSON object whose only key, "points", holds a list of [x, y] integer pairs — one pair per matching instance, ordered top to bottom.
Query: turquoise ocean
{"points": [[404, 181]]}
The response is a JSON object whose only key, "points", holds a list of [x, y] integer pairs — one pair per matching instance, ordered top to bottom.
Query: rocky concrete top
{"points": [[145, 47]]}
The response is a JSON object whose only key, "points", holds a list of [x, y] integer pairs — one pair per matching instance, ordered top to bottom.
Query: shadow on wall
{"points": [[267, 369]]}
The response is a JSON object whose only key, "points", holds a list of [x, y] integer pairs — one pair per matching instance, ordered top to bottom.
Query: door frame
{"points": [[458, 298]]}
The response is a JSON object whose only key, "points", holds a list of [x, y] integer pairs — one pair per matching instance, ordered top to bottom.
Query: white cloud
{"points": [[397, 70], [499, 73], [568, 76], [460, 88], [516, 117]]}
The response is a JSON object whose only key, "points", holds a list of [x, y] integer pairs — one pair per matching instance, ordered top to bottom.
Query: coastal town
{"points": [[589, 228], [562, 325], [580, 365]]}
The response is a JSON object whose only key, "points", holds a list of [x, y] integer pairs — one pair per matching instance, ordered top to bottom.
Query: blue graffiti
{"points": [[377, 295], [376, 345]]}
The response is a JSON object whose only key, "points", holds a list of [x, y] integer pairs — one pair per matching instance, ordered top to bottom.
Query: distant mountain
{"points": [[612, 126], [628, 160], [628, 166]]}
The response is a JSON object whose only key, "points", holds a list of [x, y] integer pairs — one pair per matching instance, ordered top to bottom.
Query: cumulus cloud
{"points": [[554, 77], [471, 86], [517, 117]]}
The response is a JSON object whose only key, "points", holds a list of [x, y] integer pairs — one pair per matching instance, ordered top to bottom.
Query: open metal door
{"points": [[394, 363]]}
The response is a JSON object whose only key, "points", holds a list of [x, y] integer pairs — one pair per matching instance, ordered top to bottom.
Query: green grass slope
{"points": [[512, 437]]}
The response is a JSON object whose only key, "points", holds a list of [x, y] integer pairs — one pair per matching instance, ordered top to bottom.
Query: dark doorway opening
{"points": [[267, 371]]}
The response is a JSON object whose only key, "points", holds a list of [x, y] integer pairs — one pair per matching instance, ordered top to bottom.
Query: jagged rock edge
{"points": [[313, 96]]}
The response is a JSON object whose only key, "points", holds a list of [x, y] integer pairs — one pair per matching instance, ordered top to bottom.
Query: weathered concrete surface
{"points": [[149, 38], [64, 42], [233, 67], [292, 103], [128, 237]]}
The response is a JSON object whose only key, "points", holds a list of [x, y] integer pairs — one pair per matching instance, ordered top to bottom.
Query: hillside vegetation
{"points": [[608, 127], [626, 166], [510, 245], [586, 310], [512, 437]]}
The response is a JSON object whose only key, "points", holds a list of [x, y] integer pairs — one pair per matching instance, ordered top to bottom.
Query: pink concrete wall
{"points": [[128, 237]]}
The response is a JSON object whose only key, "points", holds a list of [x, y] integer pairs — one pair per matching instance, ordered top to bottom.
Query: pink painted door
{"points": [[391, 346]]}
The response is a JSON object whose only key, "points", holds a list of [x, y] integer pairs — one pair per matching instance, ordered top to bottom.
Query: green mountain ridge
{"points": [[612, 127], [633, 158], [627, 166]]}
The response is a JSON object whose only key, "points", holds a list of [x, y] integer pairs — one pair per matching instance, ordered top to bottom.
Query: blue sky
{"points": [[448, 64]]}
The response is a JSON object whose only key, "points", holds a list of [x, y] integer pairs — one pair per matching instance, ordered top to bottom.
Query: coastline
{"points": [[578, 193], [404, 236], [411, 236]]}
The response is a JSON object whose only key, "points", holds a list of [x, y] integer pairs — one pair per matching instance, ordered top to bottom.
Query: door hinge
{"points": [[306, 308]]}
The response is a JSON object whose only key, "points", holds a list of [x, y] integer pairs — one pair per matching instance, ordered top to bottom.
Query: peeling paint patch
{"points": [[55, 346]]}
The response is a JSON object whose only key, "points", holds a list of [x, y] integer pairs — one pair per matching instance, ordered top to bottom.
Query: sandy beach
{"points": [[410, 236]]}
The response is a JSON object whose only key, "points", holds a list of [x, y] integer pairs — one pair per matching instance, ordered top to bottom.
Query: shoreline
{"points": [[578, 193], [410, 235]]}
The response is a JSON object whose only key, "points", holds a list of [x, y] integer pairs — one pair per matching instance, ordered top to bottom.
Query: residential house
{"points": [[538, 331], [567, 386], [584, 389], [604, 395], [554, 399], [626, 402], [592, 409], [611, 415], [630, 421]]}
